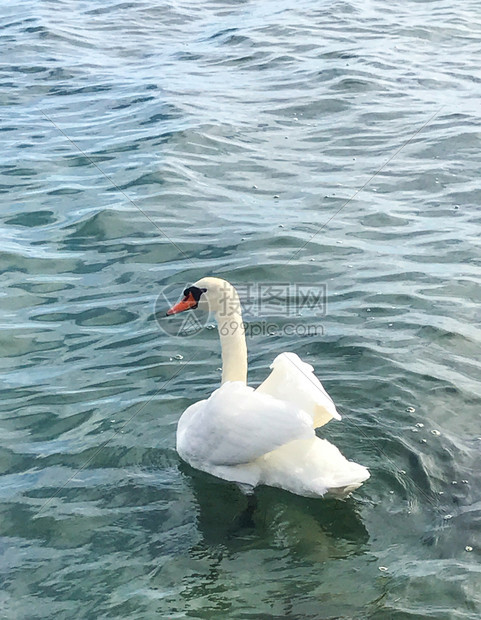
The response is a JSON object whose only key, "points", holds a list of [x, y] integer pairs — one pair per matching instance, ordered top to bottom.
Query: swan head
{"points": [[210, 294]]}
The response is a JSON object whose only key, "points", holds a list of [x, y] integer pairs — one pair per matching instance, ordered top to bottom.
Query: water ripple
{"points": [[244, 131]]}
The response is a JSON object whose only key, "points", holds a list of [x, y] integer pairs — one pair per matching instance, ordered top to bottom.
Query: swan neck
{"points": [[234, 348]]}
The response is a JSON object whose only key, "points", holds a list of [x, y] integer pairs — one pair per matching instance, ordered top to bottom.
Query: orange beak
{"points": [[185, 304]]}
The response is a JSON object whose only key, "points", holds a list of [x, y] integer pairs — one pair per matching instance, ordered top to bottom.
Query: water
{"points": [[193, 117]]}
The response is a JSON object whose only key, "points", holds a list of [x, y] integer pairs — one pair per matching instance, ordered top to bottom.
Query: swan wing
{"points": [[293, 381], [237, 425]]}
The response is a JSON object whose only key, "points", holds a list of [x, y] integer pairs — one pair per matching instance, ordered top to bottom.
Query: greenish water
{"points": [[240, 129]]}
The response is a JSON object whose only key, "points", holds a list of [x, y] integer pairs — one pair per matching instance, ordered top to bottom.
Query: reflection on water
{"points": [[224, 515], [303, 535]]}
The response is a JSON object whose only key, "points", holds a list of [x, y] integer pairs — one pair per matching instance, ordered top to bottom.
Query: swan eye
{"points": [[195, 291], [190, 302]]}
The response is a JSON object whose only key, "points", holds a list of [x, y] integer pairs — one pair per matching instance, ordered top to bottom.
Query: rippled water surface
{"points": [[147, 144]]}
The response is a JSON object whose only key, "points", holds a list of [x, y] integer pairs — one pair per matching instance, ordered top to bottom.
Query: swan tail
{"points": [[312, 467]]}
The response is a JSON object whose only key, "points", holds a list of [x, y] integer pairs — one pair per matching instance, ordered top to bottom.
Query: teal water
{"points": [[147, 144]]}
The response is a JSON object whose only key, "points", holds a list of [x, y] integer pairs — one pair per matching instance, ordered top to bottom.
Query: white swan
{"points": [[263, 436]]}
